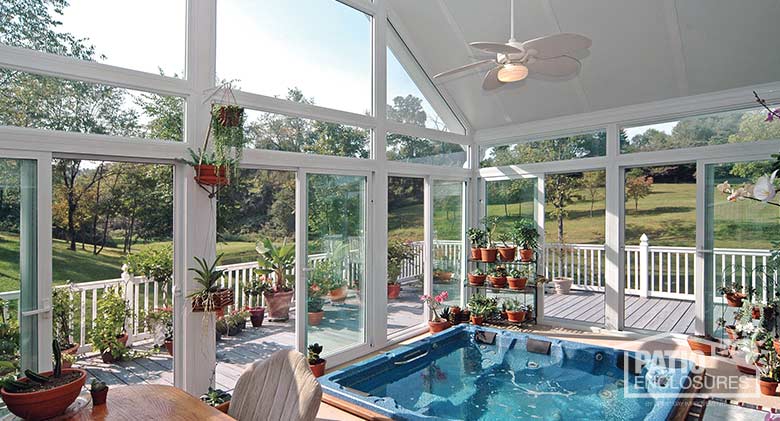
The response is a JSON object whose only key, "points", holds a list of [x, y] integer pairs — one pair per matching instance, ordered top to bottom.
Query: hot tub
{"points": [[453, 376]]}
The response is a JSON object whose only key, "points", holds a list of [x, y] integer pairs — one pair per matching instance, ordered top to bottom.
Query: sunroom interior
{"points": [[365, 157]]}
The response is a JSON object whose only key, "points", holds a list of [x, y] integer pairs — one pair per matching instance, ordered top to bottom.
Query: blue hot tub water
{"points": [[451, 376]]}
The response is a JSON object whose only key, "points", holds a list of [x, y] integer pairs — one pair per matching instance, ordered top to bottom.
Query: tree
{"points": [[593, 181], [638, 187], [73, 188], [561, 190]]}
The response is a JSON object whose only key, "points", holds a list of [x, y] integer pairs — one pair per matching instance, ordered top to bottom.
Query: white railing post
{"points": [[644, 250]]}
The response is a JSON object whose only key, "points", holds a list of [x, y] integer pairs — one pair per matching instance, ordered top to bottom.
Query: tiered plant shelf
{"points": [[528, 294]]}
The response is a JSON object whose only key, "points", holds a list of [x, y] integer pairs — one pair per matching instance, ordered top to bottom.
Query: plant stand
{"points": [[529, 293]]}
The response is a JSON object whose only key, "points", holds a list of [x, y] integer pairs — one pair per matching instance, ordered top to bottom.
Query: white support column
{"points": [[194, 213], [428, 247], [614, 256], [301, 259], [540, 260], [644, 269], [376, 278], [702, 278]]}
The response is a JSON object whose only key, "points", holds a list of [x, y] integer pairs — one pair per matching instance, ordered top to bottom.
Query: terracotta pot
{"points": [[211, 175], [476, 253], [507, 253], [488, 254], [526, 255], [444, 276], [477, 280], [497, 281], [517, 283], [562, 285], [393, 291], [338, 295], [734, 299], [278, 305], [755, 312], [256, 315], [516, 316], [315, 318], [477, 320], [436, 327], [700, 344], [776, 345], [169, 346], [318, 369], [768, 387], [99, 397], [45, 403]]}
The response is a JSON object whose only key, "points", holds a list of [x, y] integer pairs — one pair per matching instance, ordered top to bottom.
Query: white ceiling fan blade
{"points": [[557, 45], [495, 47], [556, 66], [462, 68], [491, 80]]}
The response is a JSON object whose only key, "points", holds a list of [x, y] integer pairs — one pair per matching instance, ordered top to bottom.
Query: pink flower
{"points": [[425, 297]]}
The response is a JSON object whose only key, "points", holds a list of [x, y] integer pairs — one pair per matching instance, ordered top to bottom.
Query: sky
{"points": [[320, 46]]}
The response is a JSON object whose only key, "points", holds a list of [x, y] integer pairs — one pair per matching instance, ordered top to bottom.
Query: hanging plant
{"points": [[227, 130]]}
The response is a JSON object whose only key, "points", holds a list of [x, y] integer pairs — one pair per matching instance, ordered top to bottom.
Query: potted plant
{"points": [[227, 130], [209, 171], [526, 236], [477, 238], [489, 252], [507, 252], [398, 253], [277, 264], [442, 274], [477, 277], [497, 277], [329, 279], [517, 279], [254, 290], [733, 294], [210, 297], [314, 306], [481, 307], [63, 309], [516, 311], [239, 318], [160, 322], [437, 323], [108, 335], [316, 363], [99, 392], [39, 396], [217, 398]]}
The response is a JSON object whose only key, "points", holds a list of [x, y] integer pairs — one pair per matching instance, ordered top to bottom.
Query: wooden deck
{"points": [[657, 314]]}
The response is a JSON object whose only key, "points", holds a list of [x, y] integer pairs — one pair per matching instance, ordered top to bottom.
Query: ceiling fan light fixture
{"points": [[512, 73]]}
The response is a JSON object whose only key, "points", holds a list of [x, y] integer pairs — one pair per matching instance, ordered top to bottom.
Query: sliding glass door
{"points": [[335, 260]]}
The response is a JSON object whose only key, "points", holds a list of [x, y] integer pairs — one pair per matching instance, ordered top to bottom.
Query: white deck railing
{"points": [[652, 271]]}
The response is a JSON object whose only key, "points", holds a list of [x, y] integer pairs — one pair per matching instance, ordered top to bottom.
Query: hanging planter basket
{"points": [[230, 115]]}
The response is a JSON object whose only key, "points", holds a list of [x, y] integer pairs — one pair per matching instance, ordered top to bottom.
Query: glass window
{"points": [[145, 35], [319, 47], [50, 103], [406, 104], [713, 129], [294, 134], [560, 149], [418, 150], [510, 200], [406, 239], [448, 239], [574, 245], [660, 246], [336, 252]]}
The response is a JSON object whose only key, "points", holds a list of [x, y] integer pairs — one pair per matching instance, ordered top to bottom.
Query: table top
{"points": [[149, 402]]}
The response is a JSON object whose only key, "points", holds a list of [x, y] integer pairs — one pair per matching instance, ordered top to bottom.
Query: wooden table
{"points": [[149, 402]]}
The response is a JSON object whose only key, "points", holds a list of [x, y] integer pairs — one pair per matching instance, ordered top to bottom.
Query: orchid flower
{"points": [[764, 190]]}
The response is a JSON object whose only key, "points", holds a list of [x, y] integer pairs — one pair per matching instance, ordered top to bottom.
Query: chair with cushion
{"points": [[281, 388]]}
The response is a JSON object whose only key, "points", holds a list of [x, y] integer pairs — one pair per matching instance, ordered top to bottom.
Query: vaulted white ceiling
{"points": [[643, 51]]}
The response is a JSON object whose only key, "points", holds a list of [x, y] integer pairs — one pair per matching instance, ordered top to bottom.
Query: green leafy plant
{"points": [[227, 130], [200, 157], [491, 224], [525, 234], [477, 237], [505, 238], [398, 253], [276, 262], [155, 263], [478, 272], [498, 272], [517, 273], [207, 275], [326, 276], [256, 287], [314, 304], [514, 304], [481, 305], [63, 309], [160, 321], [110, 326], [313, 354], [215, 397]]}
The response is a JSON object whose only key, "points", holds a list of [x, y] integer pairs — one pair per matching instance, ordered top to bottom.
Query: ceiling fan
{"points": [[548, 56]]}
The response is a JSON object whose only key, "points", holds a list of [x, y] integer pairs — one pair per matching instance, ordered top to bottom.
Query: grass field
{"points": [[667, 216]]}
